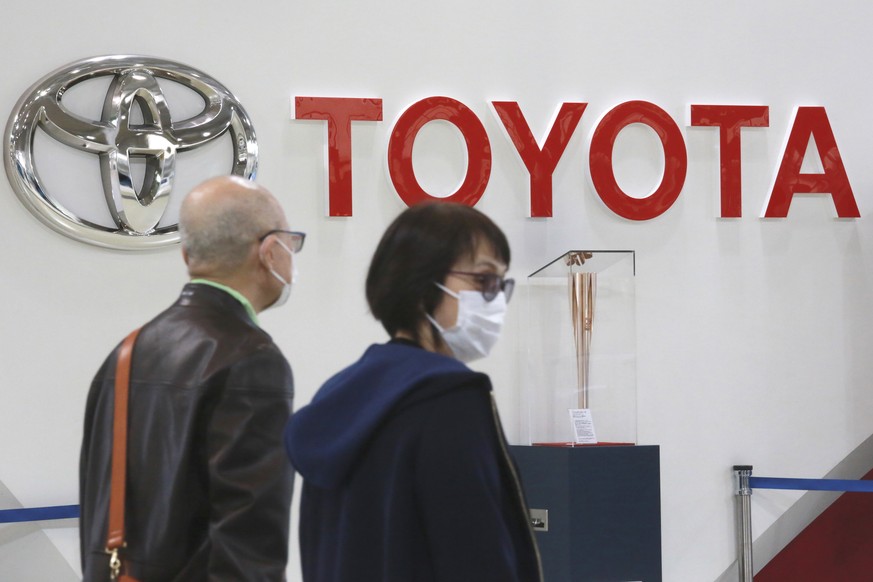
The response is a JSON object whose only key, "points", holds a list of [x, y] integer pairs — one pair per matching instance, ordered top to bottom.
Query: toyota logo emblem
{"points": [[118, 141]]}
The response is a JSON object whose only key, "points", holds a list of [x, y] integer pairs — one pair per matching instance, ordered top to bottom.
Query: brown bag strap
{"points": [[118, 483]]}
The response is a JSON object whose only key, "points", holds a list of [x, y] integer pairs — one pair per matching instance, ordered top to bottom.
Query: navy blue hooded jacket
{"points": [[407, 477]]}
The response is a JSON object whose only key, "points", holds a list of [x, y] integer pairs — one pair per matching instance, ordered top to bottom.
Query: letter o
{"points": [[402, 139], [675, 160]]}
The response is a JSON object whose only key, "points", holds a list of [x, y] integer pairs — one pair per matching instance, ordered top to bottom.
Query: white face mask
{"points": [[286, 285], [478, 325]]}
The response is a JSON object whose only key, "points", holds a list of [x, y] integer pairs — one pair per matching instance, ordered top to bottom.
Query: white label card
{"points": [[583, 426]]}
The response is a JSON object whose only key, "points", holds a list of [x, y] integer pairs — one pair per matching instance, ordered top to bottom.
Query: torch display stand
{"points": [[593, 495], [596, 511]]}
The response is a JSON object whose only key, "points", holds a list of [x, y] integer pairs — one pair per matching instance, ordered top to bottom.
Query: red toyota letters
{"points": [[809, 123]]}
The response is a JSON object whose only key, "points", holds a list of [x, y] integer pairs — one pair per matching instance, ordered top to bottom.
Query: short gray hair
{"points": [[220, 236]]}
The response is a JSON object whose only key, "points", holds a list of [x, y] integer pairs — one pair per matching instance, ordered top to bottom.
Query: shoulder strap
{"points": [[115, 536]]}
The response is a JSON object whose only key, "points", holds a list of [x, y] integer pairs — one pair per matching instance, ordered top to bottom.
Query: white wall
{"points": [[753, 335]]}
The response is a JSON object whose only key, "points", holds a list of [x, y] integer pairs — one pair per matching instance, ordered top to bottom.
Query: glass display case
{"points": [[580, 331]]}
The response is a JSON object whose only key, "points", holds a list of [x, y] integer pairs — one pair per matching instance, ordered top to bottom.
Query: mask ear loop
{"points": [[284, 246], [265, 262], [447, 291], [430, 318], [434, 323], [436, 330], [436, 335]]}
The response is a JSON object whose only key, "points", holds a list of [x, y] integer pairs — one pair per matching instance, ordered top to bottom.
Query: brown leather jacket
{"points": [[209, 484]]}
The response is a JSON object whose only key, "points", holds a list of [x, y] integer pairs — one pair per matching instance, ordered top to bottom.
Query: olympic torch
{"points": [[583, 295]]}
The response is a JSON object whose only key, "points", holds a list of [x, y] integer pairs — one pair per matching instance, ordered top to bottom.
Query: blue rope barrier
{"points": [[811, 484], [38, 513]]}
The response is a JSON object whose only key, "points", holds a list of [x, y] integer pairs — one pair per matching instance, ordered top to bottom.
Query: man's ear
{"points": [[265, 251], [185, 256]]}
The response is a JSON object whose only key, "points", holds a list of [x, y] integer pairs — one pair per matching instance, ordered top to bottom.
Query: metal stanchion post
{"points": [[744, 521]]}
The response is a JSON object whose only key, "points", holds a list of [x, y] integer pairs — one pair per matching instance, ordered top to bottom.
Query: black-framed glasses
{"points": [[297, 238], [490, 284]]}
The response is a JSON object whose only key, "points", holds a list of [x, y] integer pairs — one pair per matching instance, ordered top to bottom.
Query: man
{"points": [[208, 482]]}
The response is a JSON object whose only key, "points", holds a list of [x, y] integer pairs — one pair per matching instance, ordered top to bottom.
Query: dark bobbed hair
{"points": [[417, 250]]}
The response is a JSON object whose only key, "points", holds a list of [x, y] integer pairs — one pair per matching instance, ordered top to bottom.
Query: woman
{"points": [[406, 471]]}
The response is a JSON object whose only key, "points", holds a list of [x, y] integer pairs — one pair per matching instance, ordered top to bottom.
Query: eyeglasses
{"points": [[297, 238], [490, 284]]}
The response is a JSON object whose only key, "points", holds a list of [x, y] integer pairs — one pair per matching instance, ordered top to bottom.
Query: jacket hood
{"points": [[324, 438]]}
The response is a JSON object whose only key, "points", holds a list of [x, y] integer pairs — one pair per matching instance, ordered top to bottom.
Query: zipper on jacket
{"points": [[516, 482]]}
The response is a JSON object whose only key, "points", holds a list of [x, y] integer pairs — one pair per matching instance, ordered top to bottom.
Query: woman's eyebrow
{"points": [[490, 264]]}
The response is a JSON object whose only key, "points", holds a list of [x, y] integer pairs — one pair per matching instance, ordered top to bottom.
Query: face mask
{"points": [[286, 285], [478, 325]]}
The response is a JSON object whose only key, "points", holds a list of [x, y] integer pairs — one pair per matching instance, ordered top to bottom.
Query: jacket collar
{"points": [[207, 296]]}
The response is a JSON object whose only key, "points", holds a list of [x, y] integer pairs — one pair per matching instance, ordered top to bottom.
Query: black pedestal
{"points": [[604, 511]]}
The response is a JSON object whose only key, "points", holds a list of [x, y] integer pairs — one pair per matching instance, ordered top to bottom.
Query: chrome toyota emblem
{"points": [[117, 140]]}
